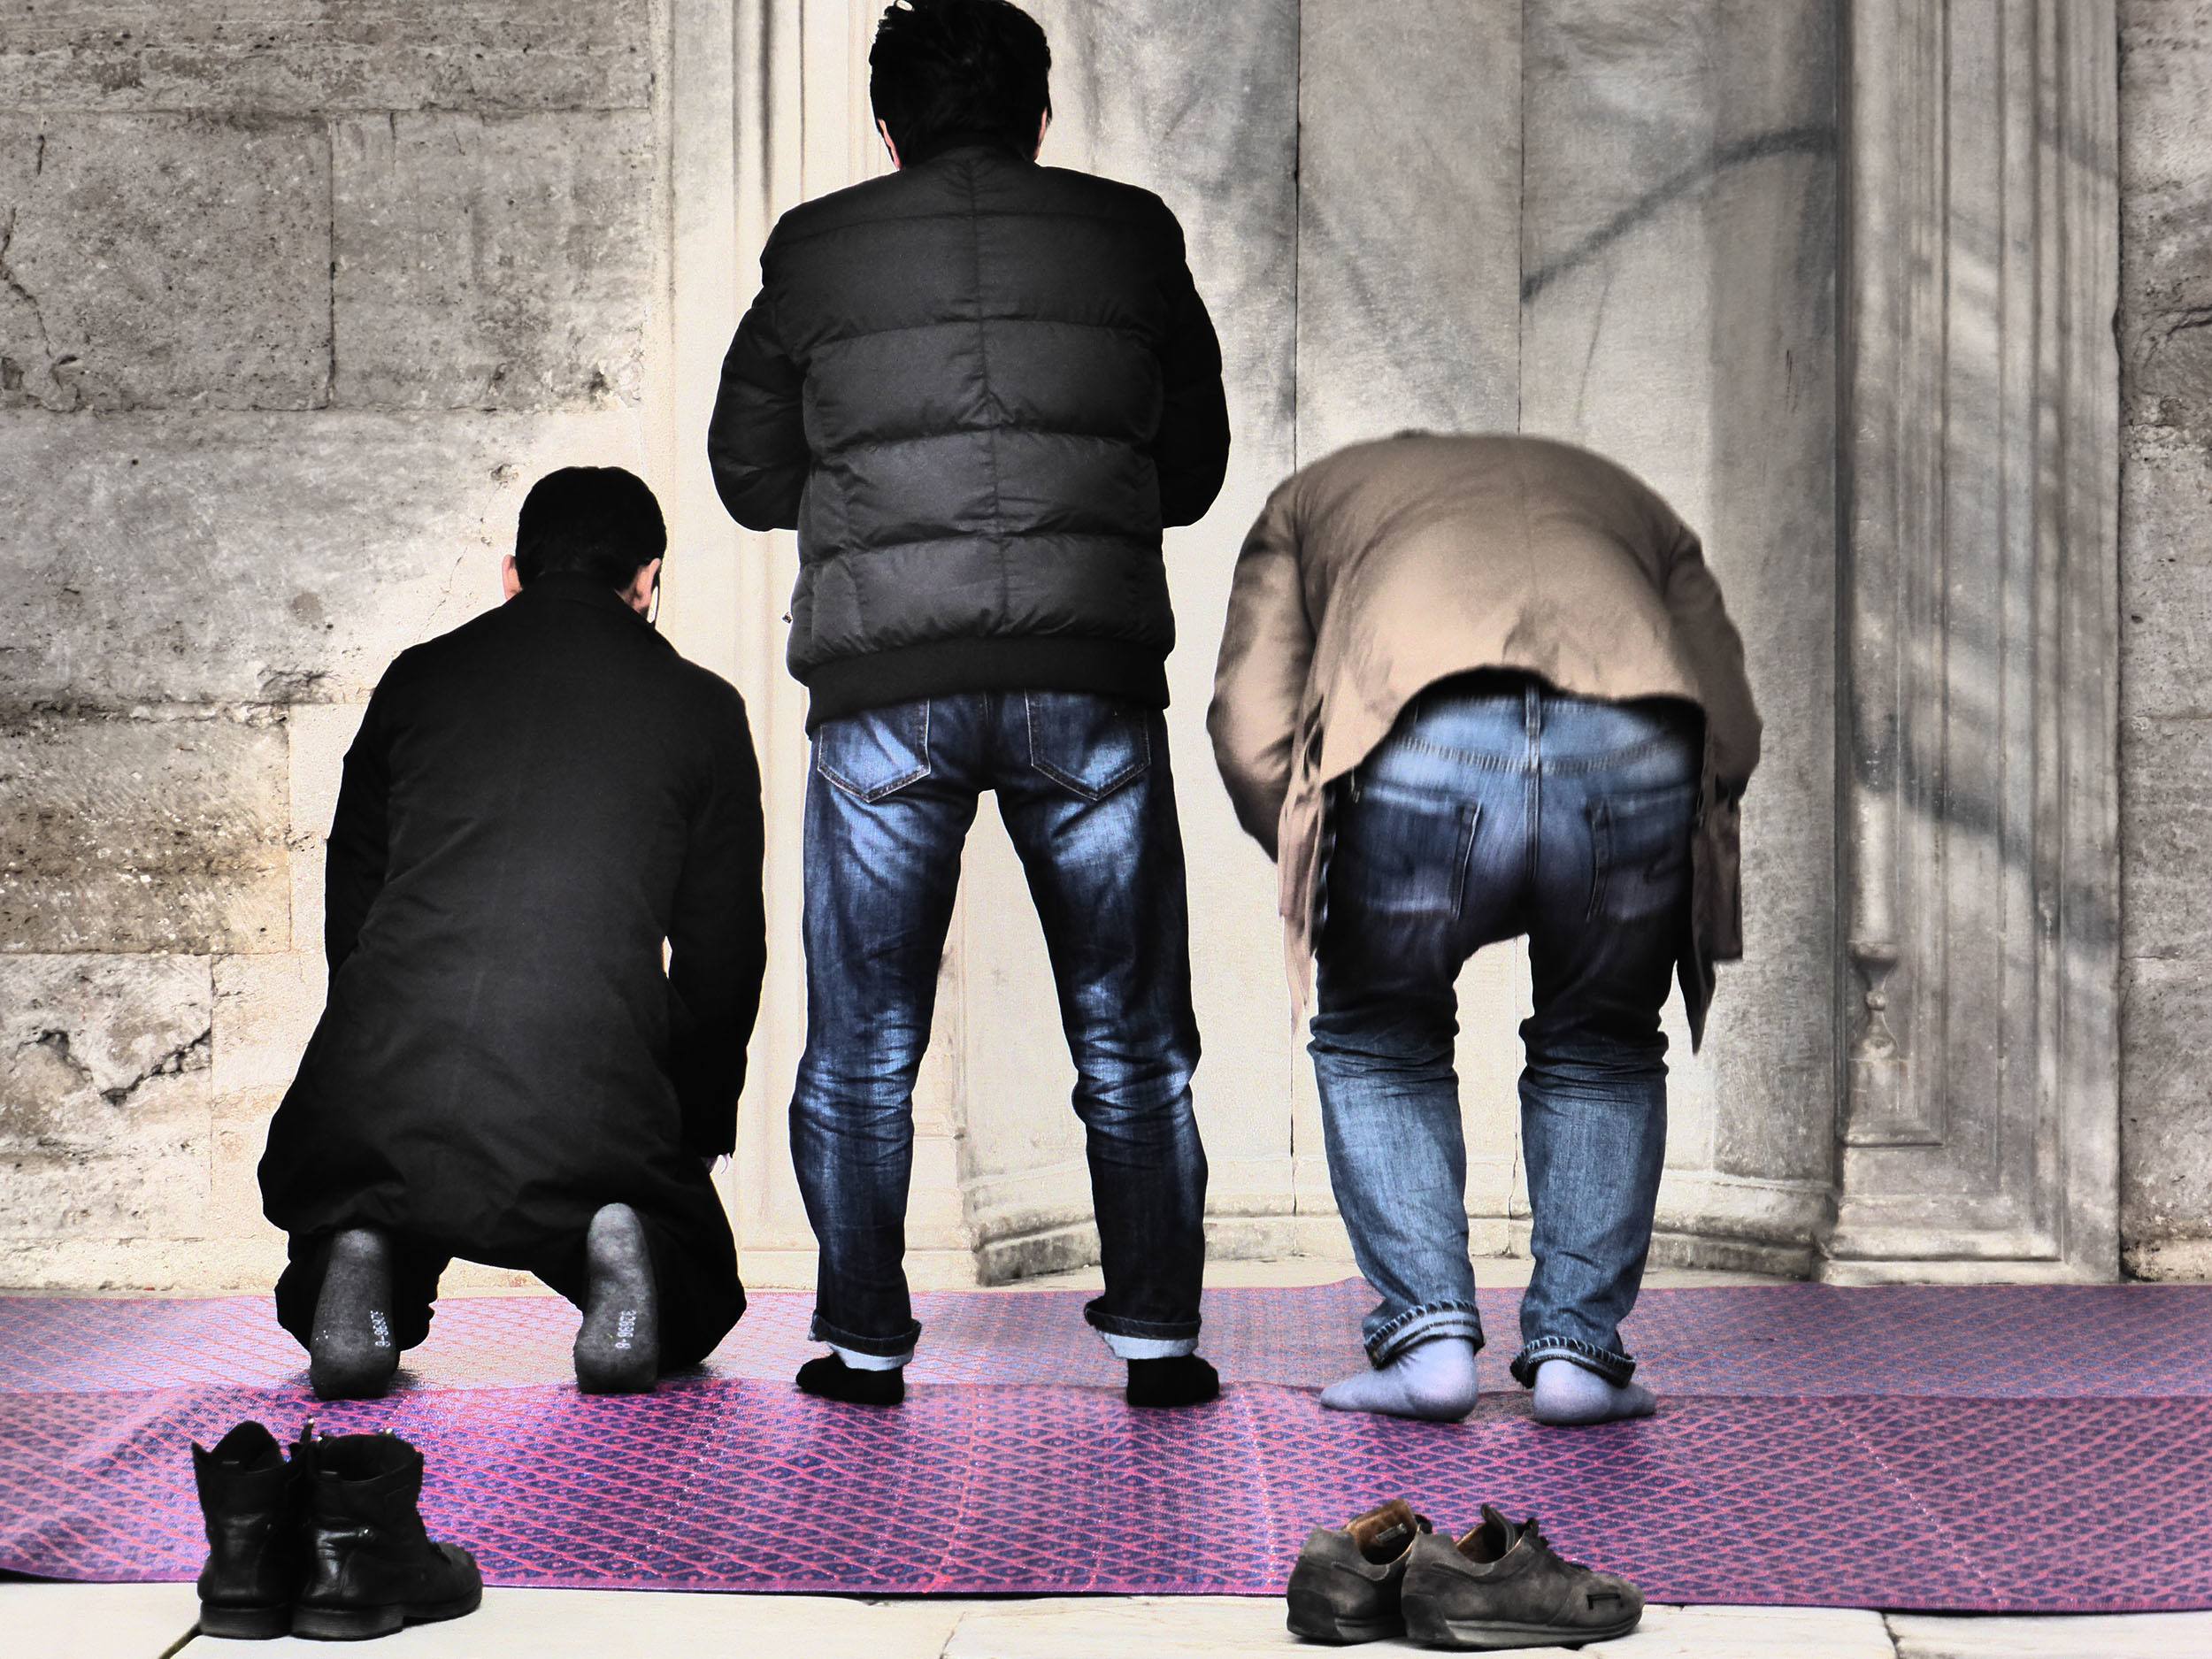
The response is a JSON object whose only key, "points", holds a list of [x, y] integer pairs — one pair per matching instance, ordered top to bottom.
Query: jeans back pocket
{"points": [[1090, 745], [877, 753], [1640, 847], [1398, 853]]}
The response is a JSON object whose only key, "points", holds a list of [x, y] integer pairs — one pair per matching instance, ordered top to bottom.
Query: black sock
{"points": [[618, 1344], [352, 1350], [832, 1378], [1183, 1380]]}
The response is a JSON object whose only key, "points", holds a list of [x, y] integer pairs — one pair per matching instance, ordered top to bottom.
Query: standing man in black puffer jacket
{"points": [[979, 389]]}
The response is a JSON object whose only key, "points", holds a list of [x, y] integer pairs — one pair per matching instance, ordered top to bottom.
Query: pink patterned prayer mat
{"points": [[2024, 1449]]}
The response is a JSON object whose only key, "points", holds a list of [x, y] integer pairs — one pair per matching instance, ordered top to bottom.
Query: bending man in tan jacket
{"points": [[1471, 688]]}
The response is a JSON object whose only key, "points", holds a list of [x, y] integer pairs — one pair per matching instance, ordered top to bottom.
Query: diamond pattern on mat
{"points": [[2011, 1342], [1943, 1505]]}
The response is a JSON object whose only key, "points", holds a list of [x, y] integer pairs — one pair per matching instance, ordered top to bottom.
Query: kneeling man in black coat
{"points": [[510, 1069]]}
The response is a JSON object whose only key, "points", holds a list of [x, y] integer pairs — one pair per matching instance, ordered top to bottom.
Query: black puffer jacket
{"points": [[977, 388]]}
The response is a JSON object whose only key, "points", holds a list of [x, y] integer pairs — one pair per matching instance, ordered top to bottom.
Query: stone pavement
{"points": [[153, 1621]]}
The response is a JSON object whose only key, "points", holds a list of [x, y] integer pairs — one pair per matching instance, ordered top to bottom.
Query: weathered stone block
{"points": [[308, 56], [2165, 233], [163, 261], [493, 263], [237, 557], [2165, 573], [319, 735], [2166, 827], [156, 834], [265, 1010], [80, 1035], [103, 1095], [2165, 1101], [240, 1134]]}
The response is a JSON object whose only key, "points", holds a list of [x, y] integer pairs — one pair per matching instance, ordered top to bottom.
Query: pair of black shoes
{"points": [[352, 1353], [329, 1545], [1388, 1573]]}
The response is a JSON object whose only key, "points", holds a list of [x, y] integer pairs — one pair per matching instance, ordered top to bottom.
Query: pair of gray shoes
{"points": [[1387, 1574]]}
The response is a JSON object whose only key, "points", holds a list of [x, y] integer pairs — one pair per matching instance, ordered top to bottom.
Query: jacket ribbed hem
{"points": [[944, 668]]}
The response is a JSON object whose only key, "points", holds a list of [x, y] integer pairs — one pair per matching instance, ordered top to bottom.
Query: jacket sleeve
{"points": [[757, 442], [1191, 453], [1701, 619], [1266, 654], [356, 856], [718, 943]]}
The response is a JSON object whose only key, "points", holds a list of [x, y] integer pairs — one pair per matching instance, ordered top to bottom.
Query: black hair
{"points": [[942, 69], [597, 521]]}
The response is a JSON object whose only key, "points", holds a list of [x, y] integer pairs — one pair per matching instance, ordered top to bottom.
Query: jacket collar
{"points": [[965, 142], [573, 588]]}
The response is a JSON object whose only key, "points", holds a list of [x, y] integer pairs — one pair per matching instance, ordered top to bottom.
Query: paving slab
{"points": [[95, 1621], [590, 1625], [2122, 1636]]}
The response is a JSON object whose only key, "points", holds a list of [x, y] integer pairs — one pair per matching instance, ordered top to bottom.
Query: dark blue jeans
{"points": [[1085, 791], [1496, 810]]}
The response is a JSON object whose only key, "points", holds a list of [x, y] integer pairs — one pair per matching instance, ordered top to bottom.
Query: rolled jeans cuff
{"points": [[1423, 1324], [1112, 1325], [1149, 1347], [896, 1348], [1615, 1368]]}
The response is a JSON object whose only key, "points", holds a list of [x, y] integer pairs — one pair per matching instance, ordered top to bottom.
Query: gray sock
{"points": [[1435, 1381], [1568, 1395]]}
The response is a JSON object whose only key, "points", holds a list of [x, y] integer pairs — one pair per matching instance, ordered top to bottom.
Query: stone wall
{"points": [[295, 298], [2165, 328]]}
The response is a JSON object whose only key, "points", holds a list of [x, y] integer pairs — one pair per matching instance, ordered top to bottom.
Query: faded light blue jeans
{"points": [[1085, 794], [1496, 809]]}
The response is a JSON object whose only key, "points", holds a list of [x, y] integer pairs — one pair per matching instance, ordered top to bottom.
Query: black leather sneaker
{"points": [[251, 1501], [371, 1567], [1345, 1586], [1502, 1587]]}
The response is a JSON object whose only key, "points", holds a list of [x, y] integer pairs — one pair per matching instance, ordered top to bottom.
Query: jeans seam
{"points": [[1600, 856]]}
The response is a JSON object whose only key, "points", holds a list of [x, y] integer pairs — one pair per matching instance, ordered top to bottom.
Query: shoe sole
{"points": [[609, 1360], [1314, 1622], [245, 1624], [362, 1624], [1492, 1635]]}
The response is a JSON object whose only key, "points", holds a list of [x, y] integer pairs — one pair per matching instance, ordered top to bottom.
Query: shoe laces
{"points": [[1536, 1541]]}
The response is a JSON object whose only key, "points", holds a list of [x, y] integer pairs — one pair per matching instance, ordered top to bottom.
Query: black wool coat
{"points": [[979, 389], [535, 803]]}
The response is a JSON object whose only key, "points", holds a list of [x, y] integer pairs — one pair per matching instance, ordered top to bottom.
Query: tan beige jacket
{"points": [[1384, 568]]}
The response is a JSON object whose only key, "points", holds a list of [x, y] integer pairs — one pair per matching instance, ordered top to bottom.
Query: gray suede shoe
{"points": [[1345, 1586], [1501, 1587]]}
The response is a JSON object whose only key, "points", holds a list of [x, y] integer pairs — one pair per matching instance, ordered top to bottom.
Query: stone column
{"points": [[1980, 899]]}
